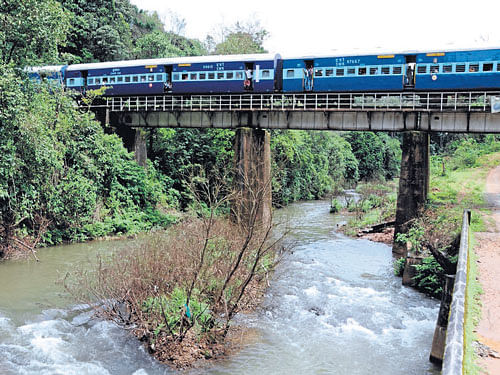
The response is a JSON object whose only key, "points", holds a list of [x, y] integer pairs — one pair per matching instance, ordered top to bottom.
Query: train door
{"points": [[85, 74], [251, 75], [308, 77], [409, 78], [167, 84]]}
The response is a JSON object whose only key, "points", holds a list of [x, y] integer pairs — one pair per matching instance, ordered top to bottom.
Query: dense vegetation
{"points": [[64, 179]]}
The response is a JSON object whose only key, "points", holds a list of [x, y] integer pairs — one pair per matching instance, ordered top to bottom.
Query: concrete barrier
{"points": [[454, 347]]}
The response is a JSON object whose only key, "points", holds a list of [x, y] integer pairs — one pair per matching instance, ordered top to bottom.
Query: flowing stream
{"points": [[334, 307]]}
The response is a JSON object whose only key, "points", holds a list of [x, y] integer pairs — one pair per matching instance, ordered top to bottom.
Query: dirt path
{"points": [[488, 252]]}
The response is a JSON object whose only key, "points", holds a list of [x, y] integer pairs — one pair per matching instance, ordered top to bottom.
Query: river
{"points": [[334, 307]]}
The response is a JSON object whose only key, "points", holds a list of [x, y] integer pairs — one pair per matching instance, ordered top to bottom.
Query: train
{"points": [[444, 70]]}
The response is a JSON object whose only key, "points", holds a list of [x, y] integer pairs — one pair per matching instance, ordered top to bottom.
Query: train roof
{"points": [[376, 51], [176, 60], [46, 68]]}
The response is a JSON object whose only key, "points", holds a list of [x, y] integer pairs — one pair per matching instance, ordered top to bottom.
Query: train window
{"points": [[487, 67], [498, 67], [447, 68], [460, 68], [473, 68], [422, 69], [434, 69], [386, 70], [396, 70], [351, 71], [361, 71], [373, 71], [329, 72], [340, 72], [290, 73], [318, 73], [265, 74], [203, 75], [211, 75], [220, 75], [230, 75], [239, 75], [184, 76], [193, 76], [151, 77], [159, 77], [135, 78], [143, 78], [119, 79], [127, 79], [105, 80], [112, 80], [71, 81], [90, 81], [97, 81]]}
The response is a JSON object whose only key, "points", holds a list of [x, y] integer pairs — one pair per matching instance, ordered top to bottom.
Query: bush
{"points": [[429, 277]]}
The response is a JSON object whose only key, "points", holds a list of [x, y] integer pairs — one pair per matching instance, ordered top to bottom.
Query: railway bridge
{"points": [[416, 114]]}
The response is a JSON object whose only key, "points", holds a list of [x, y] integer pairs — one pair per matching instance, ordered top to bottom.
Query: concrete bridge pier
{"points": [[135, 140], [252, 181], [413, 184]]}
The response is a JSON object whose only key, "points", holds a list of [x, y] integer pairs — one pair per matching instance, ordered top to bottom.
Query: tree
{"points": [[32, 31], [240, 38], [160, 44]]}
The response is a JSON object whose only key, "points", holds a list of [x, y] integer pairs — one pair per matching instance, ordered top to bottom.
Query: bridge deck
{"points": [[397, 101], [463, 112]]}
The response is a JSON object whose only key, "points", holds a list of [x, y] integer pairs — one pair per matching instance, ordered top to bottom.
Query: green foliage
{"points": [[104, 30], [32, 31], [240, 38], [160, 44], [180, 153], [379, 155], [309, 165], [57, 166], [335, 205], [414, 236], [399, 266], [429, 277], [172, 310], [472, 313]]}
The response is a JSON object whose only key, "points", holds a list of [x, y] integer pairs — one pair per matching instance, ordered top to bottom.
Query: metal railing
{"points": [[412, 102]]}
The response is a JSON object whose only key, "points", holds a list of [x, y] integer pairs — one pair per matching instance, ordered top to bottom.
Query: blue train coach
{"points": [[458, 70], [52, 73], [344, 73], [184, 75]]}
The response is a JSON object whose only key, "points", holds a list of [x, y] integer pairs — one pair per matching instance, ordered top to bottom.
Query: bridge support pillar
{"points": [[134, 140], [140, 147], [252, 159], [413, 184]]}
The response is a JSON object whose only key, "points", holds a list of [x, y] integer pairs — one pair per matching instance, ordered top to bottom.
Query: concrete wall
{"points": [[454, 350]]}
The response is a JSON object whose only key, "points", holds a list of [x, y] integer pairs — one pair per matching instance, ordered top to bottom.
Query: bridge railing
{"points": [[413, 102], [454, 347]]}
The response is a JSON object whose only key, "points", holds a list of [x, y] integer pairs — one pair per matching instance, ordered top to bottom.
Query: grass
{"points": [[472, 312]]}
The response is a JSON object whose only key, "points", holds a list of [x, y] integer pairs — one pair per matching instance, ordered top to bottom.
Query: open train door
{"points": [[410, 65], [251, 75], [308, 77], [85, 81], [167, 83]]}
